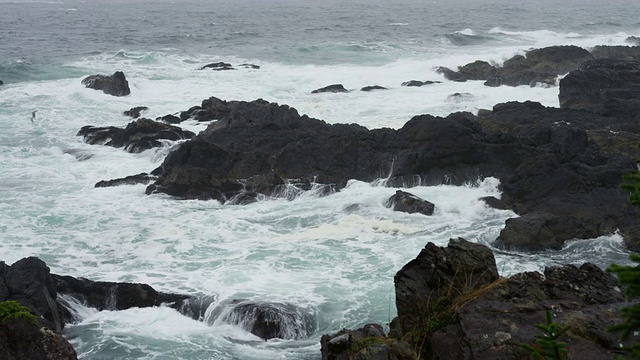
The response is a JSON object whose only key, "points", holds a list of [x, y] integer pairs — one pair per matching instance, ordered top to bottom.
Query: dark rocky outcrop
{"points": [[218, 66], [536, 66], [1, 82], [418, 83], [116, 84], [604, 86], [373, 87], [335, 88], [135, 111], [140, 135], [543, 156], [142, 178], [409, 203], [436, 274], [28, 281], [112, 296], [452, 305], [492, 315]]}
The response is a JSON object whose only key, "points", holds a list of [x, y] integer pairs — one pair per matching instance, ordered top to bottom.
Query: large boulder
{"points": [[116, 84], [603, 86], [335, 88], [135, 112], [139, 135], [409, 203], [439, 275], [29, 282], [269, 320]]}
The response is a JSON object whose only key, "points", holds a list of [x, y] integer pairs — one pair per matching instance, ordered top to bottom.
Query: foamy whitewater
{"points": [[337, 264]]}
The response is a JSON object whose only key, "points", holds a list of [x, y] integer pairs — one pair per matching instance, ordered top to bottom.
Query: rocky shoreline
{"points": [[560, 170]]}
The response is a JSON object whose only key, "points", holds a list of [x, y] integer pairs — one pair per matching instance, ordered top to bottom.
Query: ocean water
{"points": [[315, 252]]}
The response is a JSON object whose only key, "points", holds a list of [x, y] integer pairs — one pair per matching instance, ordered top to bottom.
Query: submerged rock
{"points": [[218, 66], [250, 66], [418, 83], [116, 84], [374, 87], [335, 88], [460, 97], [135, 111], [170, 119], [140, 135], [142, 178], [409, 203], [269, 320]]}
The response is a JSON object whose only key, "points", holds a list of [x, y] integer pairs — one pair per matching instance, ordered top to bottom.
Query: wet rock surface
{"points": [[116, 84], [335, 88], [140, 135], [409, 203], [487, 316]]}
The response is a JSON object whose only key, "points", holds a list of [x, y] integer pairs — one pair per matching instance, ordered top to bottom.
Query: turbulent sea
{"points": [[312, 251]]}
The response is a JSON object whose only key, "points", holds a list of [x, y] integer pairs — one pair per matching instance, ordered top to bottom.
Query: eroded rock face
{"points": [[116, 84], [604, 86], [135, 111], [140, 135], [438, 273], [585, 298], [20, 339]]}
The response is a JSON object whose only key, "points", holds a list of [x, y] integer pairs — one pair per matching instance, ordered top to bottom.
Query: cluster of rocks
{"points": [[221, 66], [538, 66], [339, 88], [560, 168], [452, 305]]}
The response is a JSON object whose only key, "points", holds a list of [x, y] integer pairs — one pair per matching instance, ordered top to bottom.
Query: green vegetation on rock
{"points": [[12, 310], [547, 346]]}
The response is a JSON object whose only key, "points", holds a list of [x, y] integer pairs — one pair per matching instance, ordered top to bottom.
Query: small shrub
{"points": [[12, 310], [547, 346]]}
